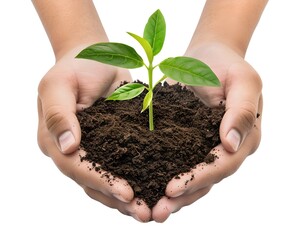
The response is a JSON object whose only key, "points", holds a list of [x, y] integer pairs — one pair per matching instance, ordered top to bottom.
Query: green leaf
{"points": [[155, 30], [146, 46], [116, 54], [189, 71], [127, 91], [147, 100]]}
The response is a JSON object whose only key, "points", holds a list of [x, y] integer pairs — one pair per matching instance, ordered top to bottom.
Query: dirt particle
{"points": [[116, 139]]}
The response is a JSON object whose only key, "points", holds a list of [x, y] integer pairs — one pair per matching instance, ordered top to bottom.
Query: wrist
{"points": [[70, 23], [230, 23], [213, 42], [73, 46], [207, 48]]}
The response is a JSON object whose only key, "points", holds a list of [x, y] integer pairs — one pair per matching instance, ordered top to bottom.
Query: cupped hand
{"points": [[71, 85], [240, 129]]}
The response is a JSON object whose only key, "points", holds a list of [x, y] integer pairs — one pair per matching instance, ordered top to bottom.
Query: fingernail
{"points": [[66, 139], [234, 139]]}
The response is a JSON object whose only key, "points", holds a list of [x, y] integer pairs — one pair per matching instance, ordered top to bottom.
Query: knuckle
{"points": [[255, 75], [43, 85], [248, 116], [53, 118]]}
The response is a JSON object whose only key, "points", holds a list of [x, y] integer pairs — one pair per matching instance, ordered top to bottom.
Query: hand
{"points": [[71, 85], [240, 129]]}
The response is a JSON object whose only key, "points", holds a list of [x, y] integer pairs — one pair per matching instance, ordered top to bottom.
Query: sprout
{"points": [[190, 71]]}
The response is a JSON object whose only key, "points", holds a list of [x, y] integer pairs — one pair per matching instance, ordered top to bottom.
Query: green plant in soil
{"points": [[189, 71]]}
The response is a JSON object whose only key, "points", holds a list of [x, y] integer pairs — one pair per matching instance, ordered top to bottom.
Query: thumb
{"points": [[243, 105], [57, 107]]}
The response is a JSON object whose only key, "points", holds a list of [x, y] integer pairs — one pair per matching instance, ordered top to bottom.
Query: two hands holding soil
{"points": [[73, 85]]}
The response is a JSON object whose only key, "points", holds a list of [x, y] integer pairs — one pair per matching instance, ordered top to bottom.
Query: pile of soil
{"points": [[116, 138]]}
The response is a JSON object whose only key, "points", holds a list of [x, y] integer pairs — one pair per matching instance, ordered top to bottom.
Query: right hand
{"points": [[69, 86], [241, 93]]}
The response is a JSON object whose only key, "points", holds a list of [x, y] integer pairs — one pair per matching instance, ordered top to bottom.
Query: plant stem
{"points": [[150, 88]]}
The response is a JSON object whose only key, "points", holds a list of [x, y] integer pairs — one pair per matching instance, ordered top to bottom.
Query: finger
{"points": [[210, 96], [243, 103], [57, 107], [225, 164], [83, 173], [202, 176], [101, 181], [102, 198], [166, 206], [136, 208]]}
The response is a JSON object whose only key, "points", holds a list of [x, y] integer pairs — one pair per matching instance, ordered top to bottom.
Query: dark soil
{"points": [[116, 138]]}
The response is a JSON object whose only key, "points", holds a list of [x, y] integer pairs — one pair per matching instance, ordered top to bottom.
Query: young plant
{"points": [[189, 71]]}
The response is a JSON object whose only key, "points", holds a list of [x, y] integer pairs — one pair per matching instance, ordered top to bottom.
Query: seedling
{"points": [[189, 71]]}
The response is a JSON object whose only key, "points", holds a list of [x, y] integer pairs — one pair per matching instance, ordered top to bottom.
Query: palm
{"points": [[224, 63], [95, 80], [68, 87], [240, 91]]}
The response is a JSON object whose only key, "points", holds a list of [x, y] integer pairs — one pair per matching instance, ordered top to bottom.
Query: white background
{"points": [[262, 200]]}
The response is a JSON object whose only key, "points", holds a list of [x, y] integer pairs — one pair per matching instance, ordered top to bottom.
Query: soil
{"points": [[117, 139]]}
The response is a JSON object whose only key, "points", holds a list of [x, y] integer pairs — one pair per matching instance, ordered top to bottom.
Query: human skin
{"points": [[220, 40], [71, 85], [241, 93]]}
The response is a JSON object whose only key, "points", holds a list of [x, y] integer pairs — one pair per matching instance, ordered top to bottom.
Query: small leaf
{"points": [[155, 30], [146, 46], [116, 54], [189, 71], [127, 91], [147, 100]]}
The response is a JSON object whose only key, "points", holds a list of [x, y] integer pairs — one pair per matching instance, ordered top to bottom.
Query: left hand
{"points": [[69, 86], [240, 129]]}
